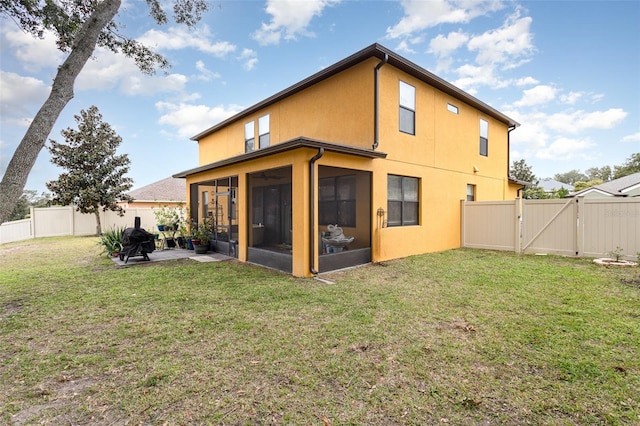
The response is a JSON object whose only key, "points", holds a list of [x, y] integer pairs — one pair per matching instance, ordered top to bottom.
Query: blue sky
{"points": [[568, 71]]}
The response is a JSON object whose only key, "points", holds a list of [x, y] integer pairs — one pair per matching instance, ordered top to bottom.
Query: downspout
{"points": [[376, 101], [511, 128], [312, 217]]}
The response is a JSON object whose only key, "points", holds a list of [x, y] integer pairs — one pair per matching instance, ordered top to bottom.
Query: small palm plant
{"points": [[111, 241]]}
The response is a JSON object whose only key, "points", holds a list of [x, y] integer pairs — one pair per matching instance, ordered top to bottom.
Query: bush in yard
{"points": [[111, 240]]}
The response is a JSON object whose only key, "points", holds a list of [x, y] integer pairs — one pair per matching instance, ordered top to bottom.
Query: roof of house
{"points": [[378, 51], [283, 147], [549, 185], [616, 187], [166, 190]]}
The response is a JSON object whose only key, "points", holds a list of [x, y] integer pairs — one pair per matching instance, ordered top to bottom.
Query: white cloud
{"points": [[420, 15], [289, 19], [177, 38], [445, 45], [503, 45], [404, 46], [497, 50], [35, 54], [250, 58], [109, 71], [205, 74], [472, 76], [526, 81], [541, 94], [20, 96], [571, 98], [189, 120], [579, 121], [532, 135], [548, 136], [632, 138], [566, 149]]}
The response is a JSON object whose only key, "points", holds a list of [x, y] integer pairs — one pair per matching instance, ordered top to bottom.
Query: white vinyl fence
{"points": [[60, 221], [589, 227]]}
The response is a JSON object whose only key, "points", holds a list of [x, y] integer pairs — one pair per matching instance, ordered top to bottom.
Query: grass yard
{"points": [[458, 337]]}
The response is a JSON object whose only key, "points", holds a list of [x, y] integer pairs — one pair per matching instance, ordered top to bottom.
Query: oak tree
{"points": [[79, 26]]}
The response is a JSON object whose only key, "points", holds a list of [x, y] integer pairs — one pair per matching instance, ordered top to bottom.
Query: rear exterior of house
{"points": [[374, 144]]}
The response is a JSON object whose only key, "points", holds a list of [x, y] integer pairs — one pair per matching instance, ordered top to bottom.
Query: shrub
{"points": [[111, 240]]}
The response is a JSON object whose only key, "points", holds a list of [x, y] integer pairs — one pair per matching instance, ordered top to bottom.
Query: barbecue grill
{"points": [[137, 242]]}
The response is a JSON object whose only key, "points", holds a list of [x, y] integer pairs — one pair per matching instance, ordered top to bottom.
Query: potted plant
{"points": [[168, 218], [200, 235]]}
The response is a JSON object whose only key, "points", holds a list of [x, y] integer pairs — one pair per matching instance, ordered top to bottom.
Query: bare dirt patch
{"points": [[9, 250], [633, 281], [11, 307], [64, 394]]}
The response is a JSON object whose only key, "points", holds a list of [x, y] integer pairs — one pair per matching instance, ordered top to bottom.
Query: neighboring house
{"points": [[374, 143], [551, 186], [626, 186], [166, 192]]}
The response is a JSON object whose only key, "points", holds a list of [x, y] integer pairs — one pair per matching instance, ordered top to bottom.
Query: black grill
{"points": [[137, 242]]}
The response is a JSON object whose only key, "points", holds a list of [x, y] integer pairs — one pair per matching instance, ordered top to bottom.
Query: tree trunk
{"points": [[15, 177], [98, 223]]}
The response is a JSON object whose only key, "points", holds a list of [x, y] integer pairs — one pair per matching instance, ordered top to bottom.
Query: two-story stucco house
{"points": [[374, 143]]}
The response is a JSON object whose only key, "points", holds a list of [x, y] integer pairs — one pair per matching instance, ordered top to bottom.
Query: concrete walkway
{"points": [[172, 254]]}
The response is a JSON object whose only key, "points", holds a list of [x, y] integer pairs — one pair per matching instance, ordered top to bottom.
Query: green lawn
{"points": [[458, 337]]}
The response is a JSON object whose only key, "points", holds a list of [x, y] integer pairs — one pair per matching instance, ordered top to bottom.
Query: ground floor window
{"points": [[402, 200]]}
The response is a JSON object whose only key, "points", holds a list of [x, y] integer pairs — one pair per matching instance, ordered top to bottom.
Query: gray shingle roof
{"points": [[549, 185], [614, 187], [165, 190]]}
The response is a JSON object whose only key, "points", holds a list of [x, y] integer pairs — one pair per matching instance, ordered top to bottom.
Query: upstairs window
{"points": [[407, 108], [452, 108], [263, 131], [249, 137], [484, 137], [403, 203]]}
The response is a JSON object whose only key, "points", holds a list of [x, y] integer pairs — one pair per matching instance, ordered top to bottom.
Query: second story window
{"points": [[407, 108], [263, 131], [249, 137], [484, 138]]}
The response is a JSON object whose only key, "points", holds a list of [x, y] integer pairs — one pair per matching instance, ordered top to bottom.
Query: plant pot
{"points": [[160, 228], [180, 241], [189, 244], [201, 248]]}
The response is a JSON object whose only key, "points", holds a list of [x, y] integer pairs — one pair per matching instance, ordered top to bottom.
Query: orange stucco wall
{"points": [[339, 109]]}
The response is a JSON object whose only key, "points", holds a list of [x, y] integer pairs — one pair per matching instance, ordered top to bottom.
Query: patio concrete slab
{"points": [[172, 254]]}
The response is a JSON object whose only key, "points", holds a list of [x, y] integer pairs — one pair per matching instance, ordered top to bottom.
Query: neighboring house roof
{"points": [[380, 52], [550, 185], [614, 188], [165, 190]]}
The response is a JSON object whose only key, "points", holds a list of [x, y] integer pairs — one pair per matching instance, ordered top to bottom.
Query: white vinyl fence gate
{"points": [[584, 227]]}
